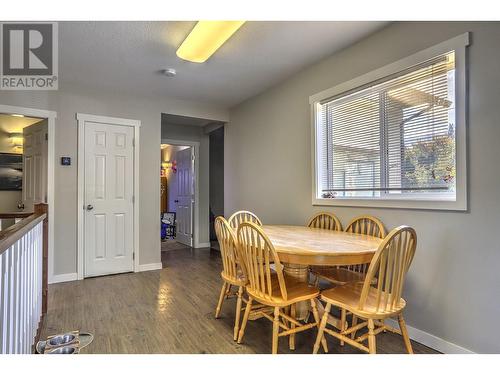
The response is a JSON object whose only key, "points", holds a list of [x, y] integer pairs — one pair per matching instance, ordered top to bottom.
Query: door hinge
{"points": [[46, 136], [133, 142], [133, 199], [133, 256]]}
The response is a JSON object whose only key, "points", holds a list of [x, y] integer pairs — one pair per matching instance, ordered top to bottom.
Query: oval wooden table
{"points": [[299, 247]]}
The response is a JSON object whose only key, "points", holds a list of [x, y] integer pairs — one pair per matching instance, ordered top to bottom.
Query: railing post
{"points": [[43, 208]]}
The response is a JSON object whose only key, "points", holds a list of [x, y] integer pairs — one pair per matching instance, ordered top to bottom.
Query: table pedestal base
{"points": [[300, 273]]}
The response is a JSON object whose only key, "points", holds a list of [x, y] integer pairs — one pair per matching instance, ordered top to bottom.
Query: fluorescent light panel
{"points": [[206, 38]]}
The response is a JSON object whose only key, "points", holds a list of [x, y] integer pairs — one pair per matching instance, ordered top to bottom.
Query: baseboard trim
{"points": [[202, 244], [150, 267], [63, 277], [430, 340]]}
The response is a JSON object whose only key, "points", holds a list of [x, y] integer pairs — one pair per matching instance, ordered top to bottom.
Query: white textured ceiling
{"points": [[128, 57]]}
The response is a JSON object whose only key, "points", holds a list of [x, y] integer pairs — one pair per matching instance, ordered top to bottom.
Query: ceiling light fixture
{"points": [[206, 38], [17, 115]]}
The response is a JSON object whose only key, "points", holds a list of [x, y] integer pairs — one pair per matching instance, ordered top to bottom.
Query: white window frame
{"points": [[418, 201]]}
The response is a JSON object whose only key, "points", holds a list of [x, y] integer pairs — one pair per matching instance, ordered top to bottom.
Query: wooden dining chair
{"points": [[241, 216], [325, 220], [367, 225], [356, 273], [232, 274], [271, 287], [374, 303]]}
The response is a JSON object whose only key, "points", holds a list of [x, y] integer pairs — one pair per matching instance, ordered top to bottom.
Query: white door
{"points": [[35, 151], [185, 197], [108, 199]]}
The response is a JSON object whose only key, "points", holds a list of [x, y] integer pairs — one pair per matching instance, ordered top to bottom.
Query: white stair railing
{"points": [[21, 284]]}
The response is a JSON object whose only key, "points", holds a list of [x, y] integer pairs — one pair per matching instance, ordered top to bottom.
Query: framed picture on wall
{"points": [[11, 171]]}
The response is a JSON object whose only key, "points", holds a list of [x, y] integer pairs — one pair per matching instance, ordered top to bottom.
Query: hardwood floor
{"points": [[169, 245], [171, 311]]}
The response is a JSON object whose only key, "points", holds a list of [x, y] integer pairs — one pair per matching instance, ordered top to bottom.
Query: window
{"points": [[392, 140]]}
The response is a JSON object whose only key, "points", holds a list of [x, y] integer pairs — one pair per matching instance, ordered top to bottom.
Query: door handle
{"points": [[90, 207]]}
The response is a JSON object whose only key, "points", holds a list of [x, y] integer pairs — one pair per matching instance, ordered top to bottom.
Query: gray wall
{"points": [[67, 102], [196, 134], [216, 176], [453, 285]]}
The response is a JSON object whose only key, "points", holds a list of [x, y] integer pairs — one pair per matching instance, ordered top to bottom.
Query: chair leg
{"points": [[221, 299], [314, 309], [238, 311], [245, 319], [354, 322], [342, 323], [383, 323], [276, 328], [321, 330], [404, 333], [291, 339], [372, 345]]}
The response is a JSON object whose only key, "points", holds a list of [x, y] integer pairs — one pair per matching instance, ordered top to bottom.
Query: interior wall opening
{"points": [[205, 137], [23, 164], [176, 190]]}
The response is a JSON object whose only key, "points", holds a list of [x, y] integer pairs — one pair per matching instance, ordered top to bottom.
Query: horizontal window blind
{"points": [[393, 137]]}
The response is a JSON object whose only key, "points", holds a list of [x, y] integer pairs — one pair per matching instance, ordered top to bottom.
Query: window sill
{"points": [[415, 204]]}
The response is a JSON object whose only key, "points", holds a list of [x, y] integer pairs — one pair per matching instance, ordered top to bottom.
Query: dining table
{"points": [[300, 247]]}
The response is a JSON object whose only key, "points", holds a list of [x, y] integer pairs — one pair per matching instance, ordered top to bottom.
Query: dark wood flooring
{"points": [[169, 245], [171, 311]]}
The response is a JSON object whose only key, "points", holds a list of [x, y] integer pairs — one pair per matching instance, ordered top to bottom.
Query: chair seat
{"points": [[338, 276], [296, 292], [347, 297]]}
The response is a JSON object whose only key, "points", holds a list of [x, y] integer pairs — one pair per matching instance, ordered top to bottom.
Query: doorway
{"points": [[49, 117], [195, 132], [108, 153], [23, 163], [178, 195]]}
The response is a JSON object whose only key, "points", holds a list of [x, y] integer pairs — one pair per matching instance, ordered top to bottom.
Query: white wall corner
{"points": [[202, 244], [150, 267], [63, 277], [427, 339]]}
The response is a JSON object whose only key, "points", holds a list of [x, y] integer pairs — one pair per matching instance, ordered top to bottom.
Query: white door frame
{"points": [[82, 118], [51, 119], [196, 147]]}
